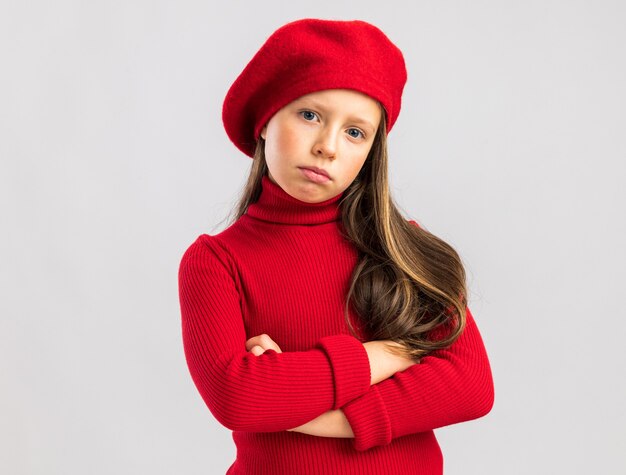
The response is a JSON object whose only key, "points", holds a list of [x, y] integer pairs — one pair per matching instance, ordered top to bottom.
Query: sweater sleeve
{"points": [[448, 386], [265, 393]]}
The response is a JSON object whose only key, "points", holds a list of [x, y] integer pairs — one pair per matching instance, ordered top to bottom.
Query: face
{"points": [[331, 130]]}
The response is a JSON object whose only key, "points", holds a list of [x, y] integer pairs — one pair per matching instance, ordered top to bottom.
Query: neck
{"points": [[275, 205]]}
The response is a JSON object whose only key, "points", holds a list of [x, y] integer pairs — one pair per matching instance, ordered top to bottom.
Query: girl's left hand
{"points": [[257, 345]]}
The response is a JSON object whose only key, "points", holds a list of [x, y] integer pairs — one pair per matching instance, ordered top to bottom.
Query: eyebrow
{"points": [[353, 118]]}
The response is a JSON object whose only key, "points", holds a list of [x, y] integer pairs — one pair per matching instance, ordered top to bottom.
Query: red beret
{"points": [[311, 55]]}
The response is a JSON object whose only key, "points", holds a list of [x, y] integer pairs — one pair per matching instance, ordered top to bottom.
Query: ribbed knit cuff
{"points": [[351, 367], [368, 418]]}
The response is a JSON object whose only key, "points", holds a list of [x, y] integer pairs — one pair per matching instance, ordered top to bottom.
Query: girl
{"points": [[329, 333]]}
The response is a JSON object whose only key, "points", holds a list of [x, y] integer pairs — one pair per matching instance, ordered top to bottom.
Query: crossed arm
{"points": [[448, 386], [334, 423]]}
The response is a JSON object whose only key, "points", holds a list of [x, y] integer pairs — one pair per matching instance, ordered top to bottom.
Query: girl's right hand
{"points": [[403, 362], [384, 363]]}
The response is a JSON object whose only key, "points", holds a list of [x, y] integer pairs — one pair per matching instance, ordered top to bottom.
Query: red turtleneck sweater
{"points": [[284, 269]]}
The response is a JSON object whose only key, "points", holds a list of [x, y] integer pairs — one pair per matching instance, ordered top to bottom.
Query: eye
{"points": [[308, 115], [350, 132]]}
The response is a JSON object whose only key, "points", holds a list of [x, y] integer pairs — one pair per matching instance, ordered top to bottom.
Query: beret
{"points": [[310, 55]]}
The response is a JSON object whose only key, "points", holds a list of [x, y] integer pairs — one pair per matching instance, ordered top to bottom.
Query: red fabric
{"points": [[310, 55], [284, 269]]}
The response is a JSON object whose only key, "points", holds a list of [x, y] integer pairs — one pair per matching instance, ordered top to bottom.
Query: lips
{"points": [[321, 171]]}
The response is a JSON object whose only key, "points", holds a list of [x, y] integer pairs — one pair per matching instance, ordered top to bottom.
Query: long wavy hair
{"points": [[408, 285]]}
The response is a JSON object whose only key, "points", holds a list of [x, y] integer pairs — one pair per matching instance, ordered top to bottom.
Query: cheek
{"points": [[284, 141], [356, 163]]}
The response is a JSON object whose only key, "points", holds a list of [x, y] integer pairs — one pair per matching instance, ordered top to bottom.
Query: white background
{"points": [[510, 146]]}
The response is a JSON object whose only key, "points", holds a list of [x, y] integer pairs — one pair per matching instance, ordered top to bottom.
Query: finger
{"points": [[260, 340], [264, 341], [252, 342], [267, 343], [257, 350]]}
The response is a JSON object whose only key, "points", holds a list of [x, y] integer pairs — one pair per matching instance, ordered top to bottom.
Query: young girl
{"points": [[328, 332]]}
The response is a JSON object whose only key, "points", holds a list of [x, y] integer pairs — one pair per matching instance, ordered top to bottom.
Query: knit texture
{"points": [[283, 268]]}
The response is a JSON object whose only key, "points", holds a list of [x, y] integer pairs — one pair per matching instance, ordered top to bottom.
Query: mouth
{"points": [[319, 171], [314, 174]]}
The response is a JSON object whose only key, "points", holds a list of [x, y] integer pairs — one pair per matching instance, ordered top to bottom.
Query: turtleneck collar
{"points": [[275, 205]]}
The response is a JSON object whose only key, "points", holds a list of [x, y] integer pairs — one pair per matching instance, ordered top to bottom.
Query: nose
{"points": [[326, 143]]}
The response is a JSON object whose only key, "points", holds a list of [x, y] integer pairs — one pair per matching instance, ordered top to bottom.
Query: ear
{"points": [[263, 132]]}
